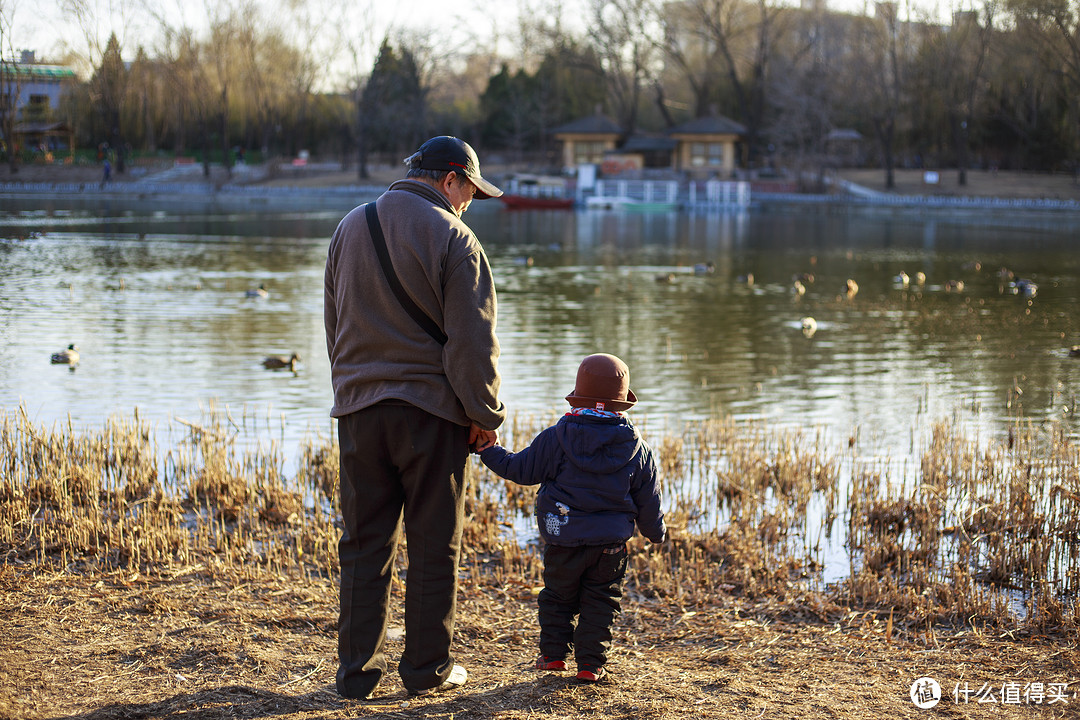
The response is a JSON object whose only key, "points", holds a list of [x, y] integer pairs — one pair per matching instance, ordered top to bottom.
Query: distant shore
{"points": [[329, 185]]}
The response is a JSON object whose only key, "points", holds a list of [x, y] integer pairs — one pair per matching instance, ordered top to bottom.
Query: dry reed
{"points": [[985, 533]]}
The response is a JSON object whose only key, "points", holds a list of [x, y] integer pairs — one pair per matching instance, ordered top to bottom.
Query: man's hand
{"points": [[481, 439]]}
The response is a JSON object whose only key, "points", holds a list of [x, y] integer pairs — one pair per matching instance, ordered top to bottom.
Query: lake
{"points": [[156, 303]]}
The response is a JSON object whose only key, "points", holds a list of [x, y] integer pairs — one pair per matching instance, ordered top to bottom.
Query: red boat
{"points": [[524, 202]]}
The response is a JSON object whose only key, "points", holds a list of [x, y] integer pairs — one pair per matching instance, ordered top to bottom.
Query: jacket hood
{"points": [[600, 445]]}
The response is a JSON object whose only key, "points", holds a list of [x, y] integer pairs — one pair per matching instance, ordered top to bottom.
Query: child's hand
{"points": [[480, 439]]}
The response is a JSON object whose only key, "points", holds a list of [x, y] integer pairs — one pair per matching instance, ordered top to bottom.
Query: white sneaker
{"points": [[458, 676]]}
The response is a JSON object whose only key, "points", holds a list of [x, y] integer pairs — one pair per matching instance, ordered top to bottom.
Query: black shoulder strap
{"points": [[377, 238]]}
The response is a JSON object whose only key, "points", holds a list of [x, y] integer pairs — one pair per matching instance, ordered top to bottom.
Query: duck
{"points": [[705, 268], [665, 277], [803, 277], [920, 278], [747, 279], [902, 279], [954, 286], [1025, 287], [798, 288], [851, 288], [259, 292], [809, 326], [1074, 351], [68, 356], [277, 362]]}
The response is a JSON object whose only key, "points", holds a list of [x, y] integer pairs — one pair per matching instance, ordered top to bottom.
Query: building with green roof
{"points": [[39, 87]]}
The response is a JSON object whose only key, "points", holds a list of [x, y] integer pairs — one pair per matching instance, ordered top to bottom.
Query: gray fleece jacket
{"points": [[377, 351]]}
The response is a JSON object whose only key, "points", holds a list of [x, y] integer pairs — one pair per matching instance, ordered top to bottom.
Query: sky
{"points": [[43, 26]]}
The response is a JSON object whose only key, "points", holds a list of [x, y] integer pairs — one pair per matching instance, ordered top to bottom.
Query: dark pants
{"points": [[398, 461], [585, 582]]}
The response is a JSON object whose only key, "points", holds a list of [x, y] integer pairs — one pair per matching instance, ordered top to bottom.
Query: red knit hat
{"points": [[603, 383]]}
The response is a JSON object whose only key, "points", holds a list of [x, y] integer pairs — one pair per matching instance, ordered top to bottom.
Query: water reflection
{"points": [[157, 305]]}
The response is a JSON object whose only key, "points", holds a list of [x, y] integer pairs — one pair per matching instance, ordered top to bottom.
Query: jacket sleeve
{"points": [[330, 317], [471, 353], [528, 467], [646, 496]]}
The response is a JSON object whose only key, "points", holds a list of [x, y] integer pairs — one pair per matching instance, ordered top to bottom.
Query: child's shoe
{"points": [[549, 663], [588, 673]]}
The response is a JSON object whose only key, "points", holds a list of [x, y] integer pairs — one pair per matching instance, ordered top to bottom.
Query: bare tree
{"points": [[1055, 28], [620, 33], [743, 35], [353, 41], [688, 45], [220, 49], [102, 55], [880, 61], [184, 64], [952, 73], [10, 84], [803, 92]]}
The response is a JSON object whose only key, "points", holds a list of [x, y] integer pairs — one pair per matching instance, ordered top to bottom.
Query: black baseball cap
{"points": [[450, 153]]}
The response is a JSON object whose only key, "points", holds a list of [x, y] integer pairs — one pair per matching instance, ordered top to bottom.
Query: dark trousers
{"points": [[398, 461], [585, 582]]}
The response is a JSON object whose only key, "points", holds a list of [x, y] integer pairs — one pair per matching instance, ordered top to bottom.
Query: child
{"points": [[597, 478]]}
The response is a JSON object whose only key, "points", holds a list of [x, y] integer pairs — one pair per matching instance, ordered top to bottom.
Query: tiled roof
{"points": [[595, 125], [710, 125], [33, 128], [647, 143]]}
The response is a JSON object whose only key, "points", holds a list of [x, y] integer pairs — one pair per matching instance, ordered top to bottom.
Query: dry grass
{"points": [[201, 582]]}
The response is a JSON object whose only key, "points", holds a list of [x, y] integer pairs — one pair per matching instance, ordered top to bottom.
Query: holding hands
{"points": [[481, 439]]}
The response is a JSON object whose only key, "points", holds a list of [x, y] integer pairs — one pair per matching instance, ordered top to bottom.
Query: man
{"points": [[414, 388]]}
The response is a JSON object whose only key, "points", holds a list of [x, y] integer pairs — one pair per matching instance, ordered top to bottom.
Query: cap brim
{"points": [[484, 189], [612, 405]]}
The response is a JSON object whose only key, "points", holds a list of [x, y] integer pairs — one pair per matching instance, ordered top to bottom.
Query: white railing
{"points": [[638, 191], [721, 194], [926, 201]]}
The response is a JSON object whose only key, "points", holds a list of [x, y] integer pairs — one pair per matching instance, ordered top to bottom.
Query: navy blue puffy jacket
{"points": [[597, 478]]}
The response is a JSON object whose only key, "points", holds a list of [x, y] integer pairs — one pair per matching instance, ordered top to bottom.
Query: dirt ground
{"points": [[200, 645]]}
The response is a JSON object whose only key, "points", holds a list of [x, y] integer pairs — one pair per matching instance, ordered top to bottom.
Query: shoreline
{"points": [[326, 186], [344, 198]]}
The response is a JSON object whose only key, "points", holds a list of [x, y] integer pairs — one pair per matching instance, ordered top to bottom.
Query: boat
{"points": [[525, 202], [652, 206]]}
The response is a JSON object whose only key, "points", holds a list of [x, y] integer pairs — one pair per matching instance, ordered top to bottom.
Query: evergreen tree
{"points": [[108, 86], [393, 106]]}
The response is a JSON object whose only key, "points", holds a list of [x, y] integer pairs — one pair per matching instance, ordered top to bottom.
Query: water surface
{"points": [[156, 303]]}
